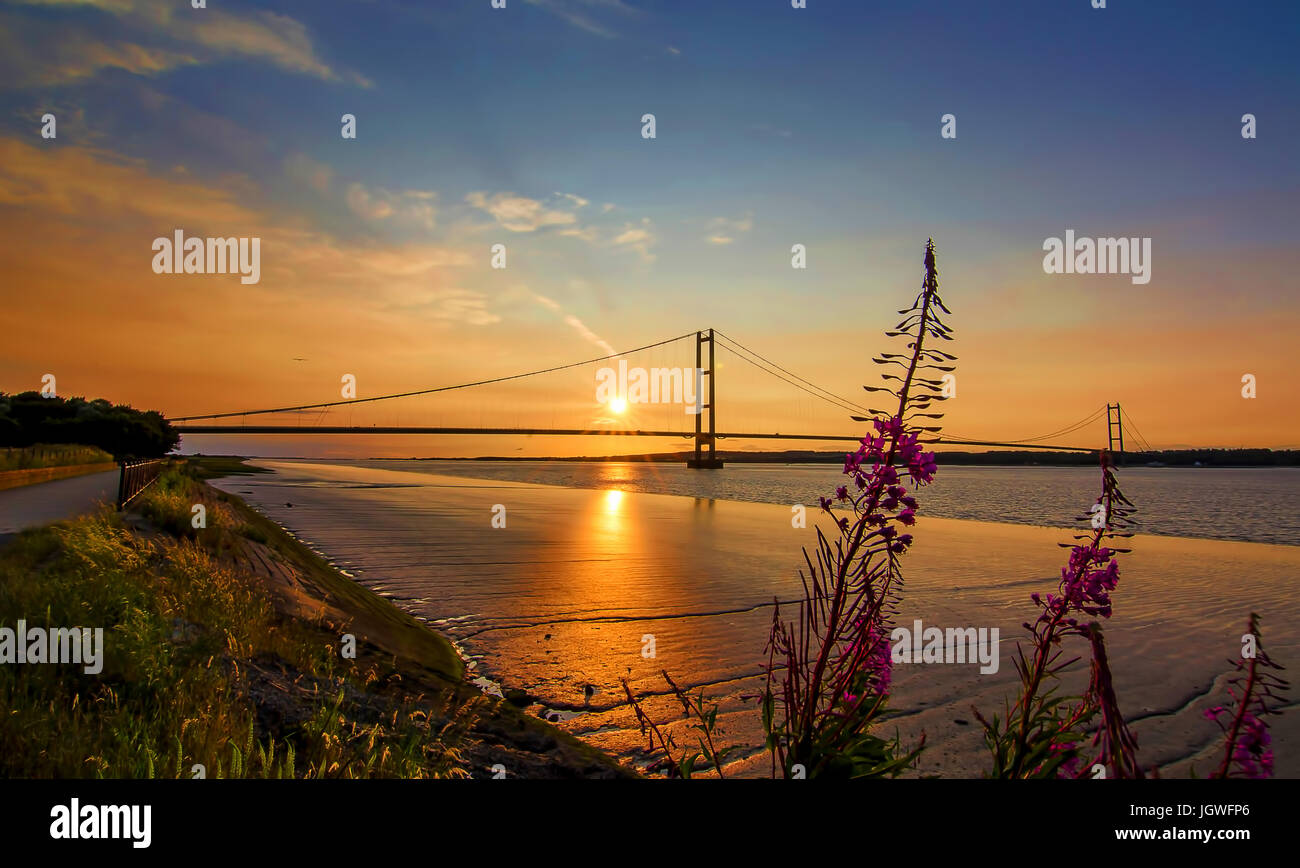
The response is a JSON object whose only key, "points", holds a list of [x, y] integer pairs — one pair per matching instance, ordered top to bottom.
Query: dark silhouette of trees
{"points": [[28, 418]]}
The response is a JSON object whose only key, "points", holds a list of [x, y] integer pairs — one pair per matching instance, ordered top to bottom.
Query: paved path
{"points": [[45, 502]]}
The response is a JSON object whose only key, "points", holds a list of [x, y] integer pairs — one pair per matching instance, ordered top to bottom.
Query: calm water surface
{"points": [[1250, 504], [560, 601]]}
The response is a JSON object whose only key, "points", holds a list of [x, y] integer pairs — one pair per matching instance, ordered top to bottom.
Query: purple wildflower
{"points": [[1248, 750]]}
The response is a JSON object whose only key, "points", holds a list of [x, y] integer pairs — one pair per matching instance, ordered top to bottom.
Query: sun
{"points": [[618, 406]]}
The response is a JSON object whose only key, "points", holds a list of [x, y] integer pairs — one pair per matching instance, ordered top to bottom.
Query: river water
{"points": [[1250, 504], [604, 561]]}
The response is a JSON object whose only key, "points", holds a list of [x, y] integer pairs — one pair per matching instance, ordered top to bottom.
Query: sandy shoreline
{"points": [[563, 597]]}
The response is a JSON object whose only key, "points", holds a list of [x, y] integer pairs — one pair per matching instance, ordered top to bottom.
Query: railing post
{"points": [[135, 477]]}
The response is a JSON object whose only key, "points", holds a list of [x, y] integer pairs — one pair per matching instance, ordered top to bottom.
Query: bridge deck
{"points": [[612, 432]]}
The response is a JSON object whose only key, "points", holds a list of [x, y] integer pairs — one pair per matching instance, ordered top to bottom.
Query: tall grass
{"points": [[50, 455], [198, 667]]}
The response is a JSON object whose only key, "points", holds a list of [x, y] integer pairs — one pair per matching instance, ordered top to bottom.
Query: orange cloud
{"points": [[72, 51], [76, 225], [82, 302]]}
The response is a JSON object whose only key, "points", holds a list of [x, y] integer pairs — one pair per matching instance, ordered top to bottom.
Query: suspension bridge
{"points": [[704, 403]]}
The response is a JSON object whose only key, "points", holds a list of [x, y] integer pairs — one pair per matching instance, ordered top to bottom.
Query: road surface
{"points": [[45, 502]]}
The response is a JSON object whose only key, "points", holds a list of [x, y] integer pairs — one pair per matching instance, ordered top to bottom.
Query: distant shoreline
{"points": [[1205, 458]]}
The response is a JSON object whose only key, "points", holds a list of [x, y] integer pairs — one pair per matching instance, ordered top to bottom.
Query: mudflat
{"points": [[578, 585]]}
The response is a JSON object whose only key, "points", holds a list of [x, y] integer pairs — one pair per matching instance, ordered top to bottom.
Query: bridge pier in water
{"points": [[705, 460]]}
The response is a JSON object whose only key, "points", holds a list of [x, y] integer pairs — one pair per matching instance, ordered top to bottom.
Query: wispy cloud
{"points": [[579, 13], [165, 36], [42, 55], [306, 170], [75, 181], [44, 190], [578, 201], [415, 206], [522, 214], [722, 230], [638, 238], [576, 324]]}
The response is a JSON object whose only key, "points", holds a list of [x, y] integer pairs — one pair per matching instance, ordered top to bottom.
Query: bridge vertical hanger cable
{"points": [[430, 391], [828, 396], [842, 403], [805, 408], [956, 439], [1142, 441]]}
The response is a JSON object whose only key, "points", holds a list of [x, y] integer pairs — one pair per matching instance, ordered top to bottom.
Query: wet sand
{"points": [[561, 602]]}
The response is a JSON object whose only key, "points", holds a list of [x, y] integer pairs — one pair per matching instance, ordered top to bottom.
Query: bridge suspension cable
{"points": [[762, 363], [428, 391], [828, 396], [840, 403], [846, 404], [1028, 441], [1142, 441]]}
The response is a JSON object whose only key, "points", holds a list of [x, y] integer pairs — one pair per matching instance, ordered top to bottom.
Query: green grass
{"points": [[50, 455], [213, 466], [170, 503], [189, 642], [200, 668]]}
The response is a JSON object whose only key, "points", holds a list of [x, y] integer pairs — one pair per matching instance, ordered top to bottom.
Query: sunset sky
{"points": [[775, 126]]}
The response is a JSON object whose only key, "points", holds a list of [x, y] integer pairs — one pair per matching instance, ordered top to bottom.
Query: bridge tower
{"points": [[1115, 432], [703, 461]]}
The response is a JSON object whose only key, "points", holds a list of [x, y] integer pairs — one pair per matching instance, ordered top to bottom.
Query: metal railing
{"points": [[136, 477]]}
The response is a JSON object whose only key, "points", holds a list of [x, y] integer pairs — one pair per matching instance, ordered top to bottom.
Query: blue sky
{"points": [[774, 126]]}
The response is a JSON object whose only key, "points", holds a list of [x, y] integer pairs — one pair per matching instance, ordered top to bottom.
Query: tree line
{"points": [[29, 418]]}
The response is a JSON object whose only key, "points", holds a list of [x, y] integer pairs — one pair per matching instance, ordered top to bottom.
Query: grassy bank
{"points": [[50, 455], [29, 465], [36, 475], [224, 647]]}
